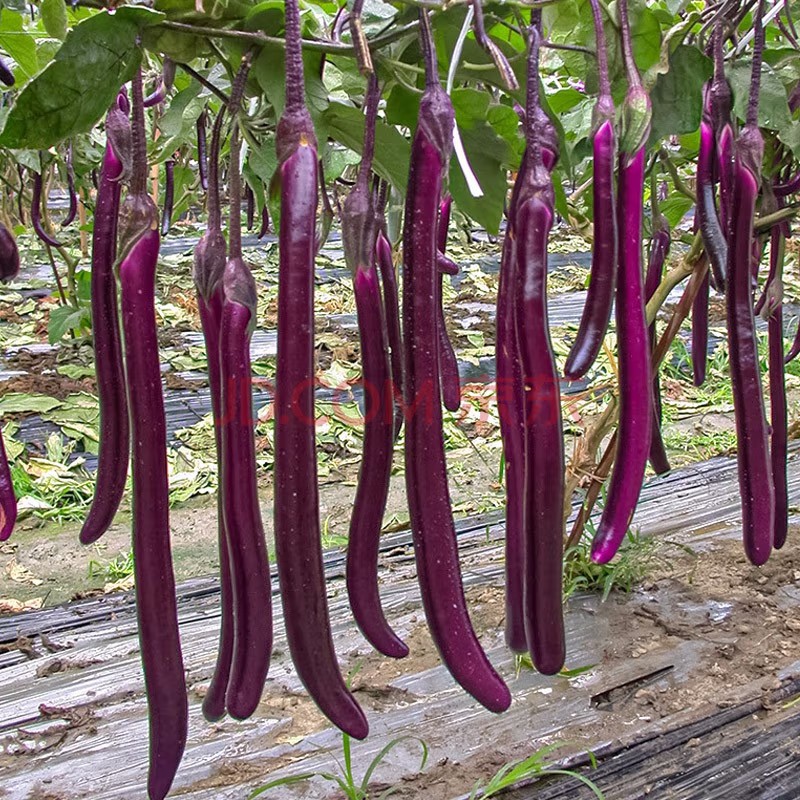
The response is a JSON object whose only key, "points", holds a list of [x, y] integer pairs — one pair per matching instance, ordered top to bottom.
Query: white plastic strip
{"points": [[768, 17], [473, 184]]}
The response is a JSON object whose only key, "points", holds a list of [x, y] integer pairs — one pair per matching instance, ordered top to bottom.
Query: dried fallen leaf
{"points": [[19, 573], [10, 605]]}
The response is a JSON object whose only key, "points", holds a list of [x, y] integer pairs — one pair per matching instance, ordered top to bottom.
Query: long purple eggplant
{"points": [[720, 105], [21, 194], [169, 195], [250, 206], [72, 211], [36, 212], [264, 228], [711, 229], [359, 233], [659, 250], [209, 266], [599, 298], [391, 310], [700, 333], [699, 342], [448, 363], [634, 369], [635, 380], [777, 390], [511, 395], [510, 403], [511, 411], [112, 462], [376, 465], [755, 473], [543, 498], [8, 500], [432, 526], [297, 530], [247, 550], [155, 582], [252, 644]]}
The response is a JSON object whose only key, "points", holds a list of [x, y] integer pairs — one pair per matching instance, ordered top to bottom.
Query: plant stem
{"points": [[307, 44], [428, 50], [602, 50], [631, 71], [755, 77], [205, 82], [370, 119], [139, 143], [768, 220], [53, 264]]}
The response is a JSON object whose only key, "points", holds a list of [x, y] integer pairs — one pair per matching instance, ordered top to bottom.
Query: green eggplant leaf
{"points": [[78, 86]]}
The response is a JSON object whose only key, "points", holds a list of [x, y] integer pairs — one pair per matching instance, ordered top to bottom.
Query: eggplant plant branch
{"points": [[318, 45], [203, 81], [764, 223]]}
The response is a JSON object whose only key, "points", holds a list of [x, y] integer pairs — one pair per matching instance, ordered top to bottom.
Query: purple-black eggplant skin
{"points": [[6, 75], [157, 96], [725, 158], [202, 162], [792, 186], [20, 194], [169, 195], [250, 207], [36, 212], [72, 212], [360, 225], [264, 229], [711, 229], [659, 250], [9, 255], [210, 257], [445, 265], [600, 296], [391, 309], [700, 333], [794, 349], [448, 363], [777, 397], [635, 399], [511, 410], [778, 425], [544, 450], [112, 464], [376, 466], [755, 473], [8, 500], [432, 525], [297, 530], [301, 572], [155, 582], [252, 596], [214, 701]]}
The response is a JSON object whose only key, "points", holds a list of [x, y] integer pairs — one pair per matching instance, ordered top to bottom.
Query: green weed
{"points": [[534, 766], [345, 779]]}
